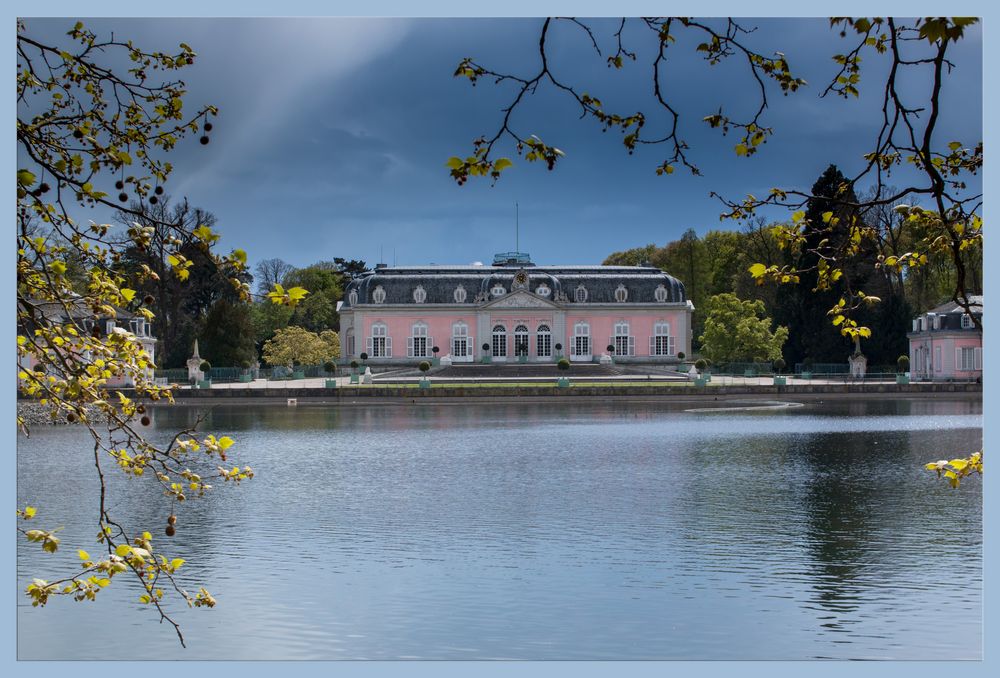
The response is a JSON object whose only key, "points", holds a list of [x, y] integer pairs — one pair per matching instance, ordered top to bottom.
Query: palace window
{"points": [[498, 290], [543, 290], [420, 294], [581, 294], [621, 294], [660, 294], [460, 295], [378, 296], [352, 298], [967, 323], [109, 326], [521, 340], [581, 340], [350, 341], [499, 341], [461, 342], [543, 342], [623, 342], [380, 343], [661, 343], [418, 345], [968, 359]]}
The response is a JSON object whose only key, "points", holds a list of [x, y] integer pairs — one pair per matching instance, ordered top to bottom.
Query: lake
{"points": [[548, 530]]}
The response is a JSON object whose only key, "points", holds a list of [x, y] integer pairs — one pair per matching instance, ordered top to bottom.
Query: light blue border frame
{"points": [[516, 8]]}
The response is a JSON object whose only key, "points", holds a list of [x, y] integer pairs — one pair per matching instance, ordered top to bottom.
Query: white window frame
{"points": [[498, 290], [543, 290], [419, 294], [460, 294], [580, 294], [621, 294], [660, 294], [378, 295], [352, 298], [967, 323], [109, 326], [521, 340], [622, 340], [350, 341], [543, 341], [461, 342], [499, 342], [662, 342], [380, 343], [418, 344], [581, 347], [937, 359], [968, 359]]}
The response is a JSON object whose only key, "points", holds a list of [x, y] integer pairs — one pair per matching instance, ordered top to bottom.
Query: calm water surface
{"points": [[539, 531]]}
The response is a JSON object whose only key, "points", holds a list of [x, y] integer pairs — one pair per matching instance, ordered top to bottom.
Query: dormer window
{"points": [[498, 290], [543, 290], [420, 294], [581, 294], [621, 294], [660, 294], [460, 295], [378, 296], [352, 298], [967, 323], [109, 326]]}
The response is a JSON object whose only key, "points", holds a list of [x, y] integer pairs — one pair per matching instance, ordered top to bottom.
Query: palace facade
{"points": [[514, 311]]}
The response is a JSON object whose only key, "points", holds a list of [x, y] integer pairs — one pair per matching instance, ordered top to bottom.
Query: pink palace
{"points": [[514, 311]]}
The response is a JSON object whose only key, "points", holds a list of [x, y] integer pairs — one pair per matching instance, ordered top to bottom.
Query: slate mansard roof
{"points": [[440, 283]]}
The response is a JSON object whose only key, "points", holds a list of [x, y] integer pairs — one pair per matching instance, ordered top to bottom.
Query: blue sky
{"points": [[333, 134]]}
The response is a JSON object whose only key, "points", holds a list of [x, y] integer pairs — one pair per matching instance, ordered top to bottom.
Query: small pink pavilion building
{"points": [[519, 311], [946, 344]]}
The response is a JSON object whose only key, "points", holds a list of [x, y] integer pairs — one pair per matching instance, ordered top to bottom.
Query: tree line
{"points": [[719, 262]]}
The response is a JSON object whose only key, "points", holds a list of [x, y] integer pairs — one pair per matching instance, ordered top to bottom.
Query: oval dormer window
{"points": [[498, 290], [543, 290], [420, 294], [581, 294], [621, 294], [660, 294], [460, 295], [378, 296], [352, 298]]}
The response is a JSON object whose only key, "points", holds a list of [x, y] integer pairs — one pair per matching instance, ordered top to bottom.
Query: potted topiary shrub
{"points": [[558, 348], [435, 350], [486, 353], [364, 359], [680, 361], [700, 364], [779, 365], [424, 366], [563, 366], [330, 368], [807, 368], [903, 369], [206, 371], [297, 371], [354, 371], [245, 376]]}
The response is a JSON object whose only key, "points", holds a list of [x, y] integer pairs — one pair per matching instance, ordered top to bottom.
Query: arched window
{"points": [[498, 290], [543, 290], [420, 294], [581, 294], [621, 294], [660, 294], [460, 295], [378, 296], [352, 298], [521, 340], [581, 341], [461, 342], [499, 342], [543, 342], [623, 342], [380, 343], [661, 343], [418, 344]]}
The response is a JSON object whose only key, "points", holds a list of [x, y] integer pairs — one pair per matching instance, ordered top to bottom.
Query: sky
{"points": [[333, 134]]}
